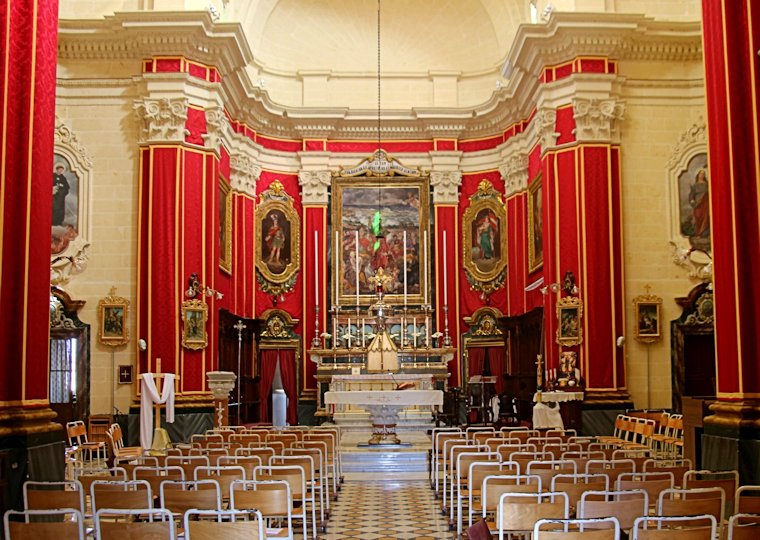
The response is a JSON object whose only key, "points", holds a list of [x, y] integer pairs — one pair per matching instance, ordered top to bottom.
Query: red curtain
{"points": [[475, 361], [496, 361], [268, 365], [287, 373]]}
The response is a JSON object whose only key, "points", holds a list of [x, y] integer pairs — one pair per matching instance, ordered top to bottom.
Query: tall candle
{"points": [[356, 254], [425, 260], [405, 268], [316, 269], [336, 269], [445, 273], [403, 329], [348, 331], [414, 331], [427, 331], [335, 332], [362, 333]]}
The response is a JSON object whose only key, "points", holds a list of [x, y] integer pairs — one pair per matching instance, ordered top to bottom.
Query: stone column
{"points": [[221, 383]]}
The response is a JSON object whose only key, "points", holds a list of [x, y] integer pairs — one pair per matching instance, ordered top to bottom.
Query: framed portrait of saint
{"points": [[65, 204], [535, 225], [225, 226], [485, 231], [277, 245], [113, 312], [647, 312], [194, 317], [570, 321]]}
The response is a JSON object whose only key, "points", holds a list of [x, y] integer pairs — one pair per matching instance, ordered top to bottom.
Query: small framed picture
{"points": [[647, 311], [113, 312], [194, 316], [569, 321], [125, 374]]}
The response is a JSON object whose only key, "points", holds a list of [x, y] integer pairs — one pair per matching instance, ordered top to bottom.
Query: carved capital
{"points": [[161, 119], [547, 120], [597, 120], [217, 126], [515, 172], [244, 173], [314, 186], [445, 186]]}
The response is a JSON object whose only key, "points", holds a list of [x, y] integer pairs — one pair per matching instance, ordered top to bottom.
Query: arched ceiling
{"points": [[417, 36]]}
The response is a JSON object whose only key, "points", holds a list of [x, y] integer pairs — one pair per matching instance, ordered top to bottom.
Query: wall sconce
{"points": [[568, 285], [195, 287]]}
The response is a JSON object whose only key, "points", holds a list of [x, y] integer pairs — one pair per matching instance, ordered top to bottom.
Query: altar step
{"points": [[390, 461]]}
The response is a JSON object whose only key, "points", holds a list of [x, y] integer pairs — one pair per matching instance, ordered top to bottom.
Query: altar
{"points": [[384, 407]]}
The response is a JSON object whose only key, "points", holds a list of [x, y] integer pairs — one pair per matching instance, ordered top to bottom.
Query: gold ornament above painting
{"points": [[484, 227], [278, 245]]}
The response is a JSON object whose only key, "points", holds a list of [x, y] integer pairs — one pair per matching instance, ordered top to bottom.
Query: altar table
{"points": [[384, 406]]}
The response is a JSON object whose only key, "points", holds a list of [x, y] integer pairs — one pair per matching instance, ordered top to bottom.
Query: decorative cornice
{"points": [[161, 119], [547, 120], [597, 120], [63, 135], [696, 135], [515, 172], [244, 173], [314, 186], [445, 186]]}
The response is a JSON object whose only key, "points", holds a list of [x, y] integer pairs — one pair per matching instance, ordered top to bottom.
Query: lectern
{"points": [[481, 390]]}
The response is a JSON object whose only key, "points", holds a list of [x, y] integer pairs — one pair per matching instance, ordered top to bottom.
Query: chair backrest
{"points": [[76, 432], [188, 464], [610, 467], [678, 467], [549, 468], [155, 475], [223, 475], [294, 475], [86, 476], [728, 481], [652, 482], [575, 485], [494, 486], [53, 495], [121, 495], [181, 496], [272, 498], [747, 500], [685, 502], [626, 506], [519, 512], [43, 524], [154, 524], [227, 524], [696, 527], [744, 527], [577, 529]]}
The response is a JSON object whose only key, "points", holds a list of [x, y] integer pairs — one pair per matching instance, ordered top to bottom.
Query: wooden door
{"points": [[238, 354], [69, 374]]}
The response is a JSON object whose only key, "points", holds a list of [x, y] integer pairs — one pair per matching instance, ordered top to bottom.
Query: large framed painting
{"points": [[694, 202], [370, 217], [535, 225], [225, 226], [485, 231], [277, 246], [647, 310], [113, 312], [194, 317], [570, 321]]}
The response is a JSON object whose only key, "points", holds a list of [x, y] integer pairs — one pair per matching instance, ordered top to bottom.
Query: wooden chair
{"points": [[77, 435], [116, 447], [332, 454], [439, 454], [188, 464], [610, 467], [679, 467], [548, 469], [479, 471], [155, 475], [224, 476], [295, 476], [460, 478], [728, 481], [653, 483], [575, 485], [494, 486], [54, 495], [126, 495], [179, 497], [309, 497], [271, 498], [747, 500], [689, 502], [626, 506], [519, 512], [60, 524], [153, 524], [227, 524], [697, 527], [744, 527], [577, 529]]}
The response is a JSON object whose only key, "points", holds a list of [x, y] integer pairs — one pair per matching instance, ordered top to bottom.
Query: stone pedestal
{"points": [[221, 383]]}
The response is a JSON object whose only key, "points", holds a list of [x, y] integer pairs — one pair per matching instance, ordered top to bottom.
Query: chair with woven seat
{"points": [[43, 524]]}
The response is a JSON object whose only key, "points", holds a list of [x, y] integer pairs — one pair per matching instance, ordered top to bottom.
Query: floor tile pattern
{"points": [[386, 510]]}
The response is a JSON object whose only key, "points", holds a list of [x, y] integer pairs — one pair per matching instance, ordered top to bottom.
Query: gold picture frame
{"points": [[403, 204], [225, 225], [535, 225], [484, 231], [278, 253], [113, 311], [647, 315], [194, 317], [569, 321]]}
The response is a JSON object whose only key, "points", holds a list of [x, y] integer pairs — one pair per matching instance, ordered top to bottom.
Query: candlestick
{"points": [[356, 253], [425, 261], [404, 267], [316, 269], [336, 270], [445, 273], [403, 329], [348, 331], [414, 331], [427, 331], [335, 332], [363, 345]]}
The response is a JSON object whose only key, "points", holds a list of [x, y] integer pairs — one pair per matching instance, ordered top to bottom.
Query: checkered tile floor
{"points": [[386, 510]]}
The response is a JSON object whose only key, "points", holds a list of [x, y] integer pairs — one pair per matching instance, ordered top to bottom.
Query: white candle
{"points": [[356, 254], [425, 262], [405, 268], [316, 269], [336, 270], [445, 273], [403, 329], [348, 331], [414, 331], [427, 331], [335, 332], [362, 333]]}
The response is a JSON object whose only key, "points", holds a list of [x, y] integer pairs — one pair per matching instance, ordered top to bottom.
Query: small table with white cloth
{"points": [[549, 416]]}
